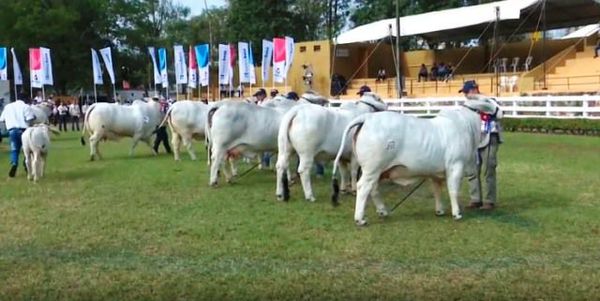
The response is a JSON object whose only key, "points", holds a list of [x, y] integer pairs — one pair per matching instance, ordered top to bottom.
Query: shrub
{"points": [[549, 125]]}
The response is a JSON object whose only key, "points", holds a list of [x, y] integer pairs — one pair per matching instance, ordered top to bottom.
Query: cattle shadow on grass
{"points": [[78, 174]]}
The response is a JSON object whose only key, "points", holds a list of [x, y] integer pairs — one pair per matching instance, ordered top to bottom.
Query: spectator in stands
{"points": [[442, 71], [449, 72], [423, 73], [433, 74], [381, 76], [364, 89], [38, 98], [487, 152]]}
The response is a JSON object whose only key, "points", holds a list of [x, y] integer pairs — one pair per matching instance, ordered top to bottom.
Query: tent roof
{"points": [[470, 21], [585, 31]]}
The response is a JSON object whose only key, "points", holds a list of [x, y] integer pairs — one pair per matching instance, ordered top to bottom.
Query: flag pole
{"points": [[30, 91], [176, 91], [115, 92], [16, 93], [43, 93], [95, 94]]}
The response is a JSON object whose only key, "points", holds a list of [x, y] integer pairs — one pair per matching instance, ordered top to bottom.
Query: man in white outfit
{"points": [[17, 116]]}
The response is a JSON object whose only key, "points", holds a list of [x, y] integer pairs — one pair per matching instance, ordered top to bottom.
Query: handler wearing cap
{"points": [[362, 90], [260, 95], [487, 152]]}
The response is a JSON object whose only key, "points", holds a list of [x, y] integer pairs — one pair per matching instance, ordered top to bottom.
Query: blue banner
{"points": [[202, 55]]}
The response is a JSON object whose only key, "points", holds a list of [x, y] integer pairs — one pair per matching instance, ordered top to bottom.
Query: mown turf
{"points": [[147, 228]]}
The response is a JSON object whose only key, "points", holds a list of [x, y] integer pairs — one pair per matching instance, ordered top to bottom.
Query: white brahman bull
{"points": [[186, 120], [111, 121], [235, 128], [313, 131], [36, 142], [404, 149]]}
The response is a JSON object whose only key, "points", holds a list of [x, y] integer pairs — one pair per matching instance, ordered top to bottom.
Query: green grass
{"points": [[148, 228]]}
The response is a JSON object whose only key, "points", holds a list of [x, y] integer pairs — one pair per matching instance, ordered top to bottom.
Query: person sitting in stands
{"points": [[442, 71], [449, 72], [423, 73], [433, 74], [381, 75]]}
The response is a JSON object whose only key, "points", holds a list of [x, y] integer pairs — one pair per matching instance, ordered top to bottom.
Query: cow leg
{"points": [[94, 141], [148, 142], [176, 142], [187, 142], [43, 156], [217, 158], [29, 165], [36, 166], [282, 166], [304, 168], [353, 174], [454, 176], [343, 178], [364, 187], [437, 194], [378, 201]]}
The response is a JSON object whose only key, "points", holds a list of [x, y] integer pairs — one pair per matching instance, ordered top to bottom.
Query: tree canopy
{"points": [[71, 27]]}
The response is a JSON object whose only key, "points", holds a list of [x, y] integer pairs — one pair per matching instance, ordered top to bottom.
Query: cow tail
{"points": [[167, 117], [358, 121], [84, 128], [207, 128], [283, 142]]}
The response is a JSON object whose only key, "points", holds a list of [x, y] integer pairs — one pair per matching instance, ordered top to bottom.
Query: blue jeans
{"points": [[15, 145]]}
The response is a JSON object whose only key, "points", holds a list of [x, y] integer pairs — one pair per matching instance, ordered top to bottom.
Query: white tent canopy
{"points": [[436, 21]]}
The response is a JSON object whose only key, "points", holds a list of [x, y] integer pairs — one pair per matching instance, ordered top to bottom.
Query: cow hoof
{"points": [[91, 158], [30, 178], [213, 185], [344, 191], [280, 197], [312, 200], [440, 212], [382, 213], [457, 217], [361, 223]]}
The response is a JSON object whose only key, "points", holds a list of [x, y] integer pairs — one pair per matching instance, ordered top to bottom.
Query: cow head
{"points": [[314, 98], [374, 101], [480, 104]]}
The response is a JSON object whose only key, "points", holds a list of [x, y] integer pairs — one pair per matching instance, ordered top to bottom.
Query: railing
{"points": [[571, 82], [563, 107]]}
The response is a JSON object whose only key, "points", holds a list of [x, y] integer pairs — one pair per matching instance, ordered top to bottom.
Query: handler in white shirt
{"points": [[17, 116]]}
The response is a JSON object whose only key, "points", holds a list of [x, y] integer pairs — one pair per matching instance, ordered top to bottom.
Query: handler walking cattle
{"points": [[111, 121], [314, 131], [404, 149]]}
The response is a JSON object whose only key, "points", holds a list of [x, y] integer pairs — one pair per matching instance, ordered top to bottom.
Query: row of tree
{"points": [[71, 27]]}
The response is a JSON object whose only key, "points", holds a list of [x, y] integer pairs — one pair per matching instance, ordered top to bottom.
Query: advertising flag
{"points": [[289, 54], [233, 55], [267, 55], [202, 56], [279, 59], [243, 62], [108, 63], [3, 64], [162, 64], [224, 64], [180, 65], [251, 65], [35, 68], [96, 68], [16, 69], [192, 69], [157, 77], [47, 78]]}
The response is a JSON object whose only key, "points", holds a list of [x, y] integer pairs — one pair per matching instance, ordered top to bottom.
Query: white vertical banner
{"points": [[267, 54], [289, 54], [243, 62], [108, 63], [3, 64], [224, 64], [180, 65], [251, 65], [96, 68], [18, 75], [157, 77], [47, 78]]}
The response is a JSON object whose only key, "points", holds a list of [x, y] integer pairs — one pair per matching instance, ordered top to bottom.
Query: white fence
{"points": [[565, 107]]}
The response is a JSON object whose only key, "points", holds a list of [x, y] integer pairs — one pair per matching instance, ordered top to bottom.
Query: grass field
{"points": [[147, 228]]}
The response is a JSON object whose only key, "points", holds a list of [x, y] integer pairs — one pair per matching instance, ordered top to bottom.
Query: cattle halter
{"points": [[408, 195]]}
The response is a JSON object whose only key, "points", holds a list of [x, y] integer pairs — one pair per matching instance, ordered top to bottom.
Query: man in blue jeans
{"points": [[16, 116]]}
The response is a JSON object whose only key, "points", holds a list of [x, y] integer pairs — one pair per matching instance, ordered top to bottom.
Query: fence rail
{"points": [[559, 107]]}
